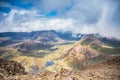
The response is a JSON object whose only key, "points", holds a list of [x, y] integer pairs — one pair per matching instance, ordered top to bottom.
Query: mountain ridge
{"points": [[50, 51]]}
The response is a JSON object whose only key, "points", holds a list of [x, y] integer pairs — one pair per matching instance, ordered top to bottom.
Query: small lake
{"points": [[49, 63]]}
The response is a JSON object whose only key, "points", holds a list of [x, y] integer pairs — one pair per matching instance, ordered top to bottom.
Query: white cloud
{"points": [[83, 16], [22, 20], [105, 26], [88, 29]]}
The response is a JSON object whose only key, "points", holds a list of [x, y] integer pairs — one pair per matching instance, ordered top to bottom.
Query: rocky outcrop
{"points": [[91, 40], [80, 51], [75, 56], [9, 67], [108, 70]]}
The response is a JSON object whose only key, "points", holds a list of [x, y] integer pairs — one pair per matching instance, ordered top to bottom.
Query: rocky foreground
{"points": [[9, 68], [109, 70]]}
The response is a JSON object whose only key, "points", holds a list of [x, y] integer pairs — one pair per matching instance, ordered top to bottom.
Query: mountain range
{"points": [[51, 51]]}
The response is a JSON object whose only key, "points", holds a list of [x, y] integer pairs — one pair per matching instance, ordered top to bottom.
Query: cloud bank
{"points": [[78, 16]]}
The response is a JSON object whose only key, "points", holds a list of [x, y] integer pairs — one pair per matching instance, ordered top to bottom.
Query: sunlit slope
{"points": [[106, 47], [75, 55], [71, 56], [31, 58], [108, 70]]}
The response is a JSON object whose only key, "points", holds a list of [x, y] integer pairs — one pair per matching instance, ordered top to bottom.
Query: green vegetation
{"points": [[110, 51], [8, 53], [71, 55]]}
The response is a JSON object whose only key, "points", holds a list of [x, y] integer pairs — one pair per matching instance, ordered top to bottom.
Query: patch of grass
{"points": [[110, 50], [8, 53], [27, 62]]}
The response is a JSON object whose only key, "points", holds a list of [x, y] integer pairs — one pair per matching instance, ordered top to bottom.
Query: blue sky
{"points": [[78, 16]]}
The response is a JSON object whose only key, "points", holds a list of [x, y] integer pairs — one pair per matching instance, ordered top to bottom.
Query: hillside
{"points": [[101, 44], [46, 53], [75, 56], [108, 70]]}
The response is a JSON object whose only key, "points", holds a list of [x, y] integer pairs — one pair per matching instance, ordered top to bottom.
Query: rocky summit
{"points": [[8, 68]]}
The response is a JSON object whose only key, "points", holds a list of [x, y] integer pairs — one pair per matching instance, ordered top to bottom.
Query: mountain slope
{"points": [[109, 46], [51, 51], [76, 55], [108, 70]]}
